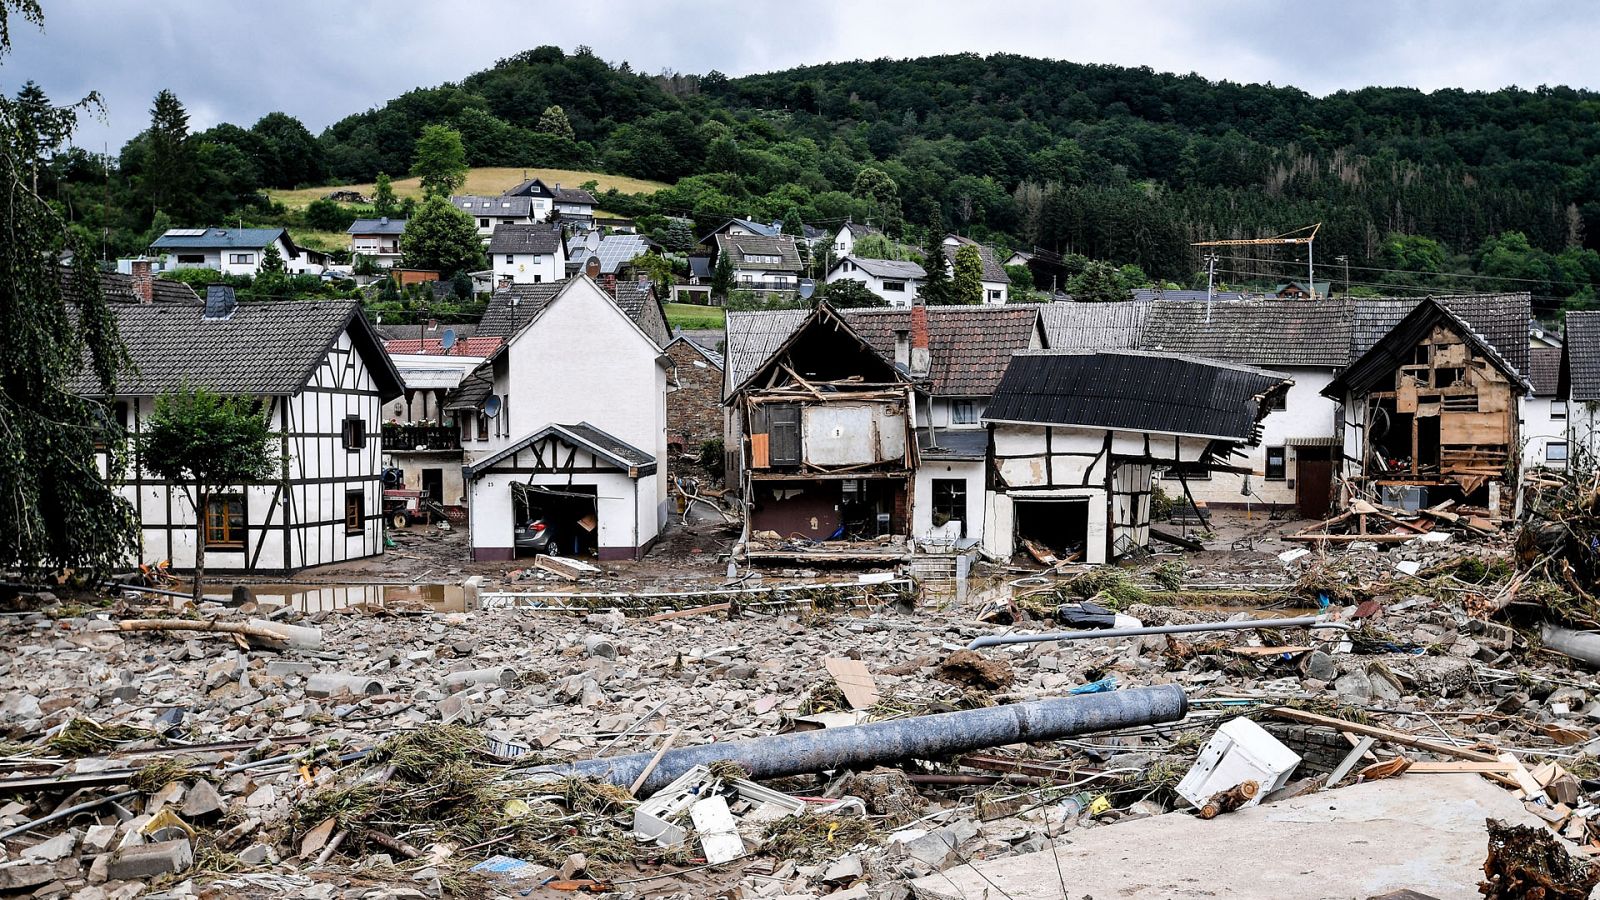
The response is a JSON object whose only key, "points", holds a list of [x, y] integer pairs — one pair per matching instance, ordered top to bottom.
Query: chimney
{"points": [[144, 285], [220, 303], [919, 339], [902, 348]]}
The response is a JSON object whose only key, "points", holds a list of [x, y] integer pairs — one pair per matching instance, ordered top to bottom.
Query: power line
{"points": [[1468, 275]]}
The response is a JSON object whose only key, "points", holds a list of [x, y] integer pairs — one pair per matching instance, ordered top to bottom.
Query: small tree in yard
{"points": [[384, 202], [444, 238], [722, 277], [966, 285], [207, 442]]}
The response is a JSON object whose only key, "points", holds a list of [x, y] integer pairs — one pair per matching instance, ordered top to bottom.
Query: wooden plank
{"points": [[1472, 428], [758, 450], [1176, 541], [570, 569], [682, 613], [854, 681], [1388, 735], [1349, 761], [1459, 767], [1530, 787]]}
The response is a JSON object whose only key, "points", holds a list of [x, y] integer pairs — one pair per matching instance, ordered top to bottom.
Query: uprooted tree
{"points": [[210, 444], [56, 510]]}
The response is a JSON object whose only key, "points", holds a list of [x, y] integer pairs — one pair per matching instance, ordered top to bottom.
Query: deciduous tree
{"points": [[554, 121], [440, 161], [384, 202], [441, 237], [966, 285]]}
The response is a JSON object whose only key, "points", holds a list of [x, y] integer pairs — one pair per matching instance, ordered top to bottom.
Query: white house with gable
{"points": [[528, 254], [896, 281], [574, 406]]}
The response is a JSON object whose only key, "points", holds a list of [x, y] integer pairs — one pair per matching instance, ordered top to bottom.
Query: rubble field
{"points": [[245, 749]]}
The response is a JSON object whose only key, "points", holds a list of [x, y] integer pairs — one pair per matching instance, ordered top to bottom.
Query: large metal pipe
{"points": [[1020, 638], [1583, 646], [920, 737]]}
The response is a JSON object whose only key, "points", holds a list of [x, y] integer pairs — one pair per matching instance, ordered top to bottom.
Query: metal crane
{"points": [[1298, 236]]}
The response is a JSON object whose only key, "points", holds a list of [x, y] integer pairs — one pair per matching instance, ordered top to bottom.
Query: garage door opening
{"points": [[569, 514], [1058, 528]]}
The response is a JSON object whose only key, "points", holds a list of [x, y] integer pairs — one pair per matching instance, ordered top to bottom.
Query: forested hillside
{"points": [[1120, 164]]}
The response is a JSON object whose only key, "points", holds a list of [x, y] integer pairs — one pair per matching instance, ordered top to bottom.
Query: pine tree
{"points": [[554, 121], [170, 168], [383, 199], [792, 224], [272, 261], [722, 277], [936, 284]]}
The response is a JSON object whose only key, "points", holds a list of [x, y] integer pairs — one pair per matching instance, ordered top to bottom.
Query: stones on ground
{"points": [[1319, 666], [968, 667], [887, 792], [202, 802], [58, 847], [149, 860], [843, 870]]}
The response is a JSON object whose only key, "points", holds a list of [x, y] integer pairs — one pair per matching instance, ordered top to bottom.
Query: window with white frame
{"points": [[241, 259], [897, 286], [1558, 409], [1555, 451]]}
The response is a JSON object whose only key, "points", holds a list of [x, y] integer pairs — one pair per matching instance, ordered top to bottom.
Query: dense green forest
{"points": [[1450, 190]]}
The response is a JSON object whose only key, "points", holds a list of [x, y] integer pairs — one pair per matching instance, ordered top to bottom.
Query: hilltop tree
{"points": [[554, 121], [40, 126], [290, 154], [170, 161], [440, 162], [383, 199], [442, 238], [966, 285], [208, 443], [59, 513]]}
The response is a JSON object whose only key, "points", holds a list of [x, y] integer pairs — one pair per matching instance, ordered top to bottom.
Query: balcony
{"points": [[789, 286], [417, 438]]}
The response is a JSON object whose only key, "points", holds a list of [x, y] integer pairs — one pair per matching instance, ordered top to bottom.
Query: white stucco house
{"points": [[489, 213], [379, 239], [844, 243], [233, 251], [528, 254], [760, 263], [896, 281], [996, 281], [322, 378], [1544, 411], [569, 426]]}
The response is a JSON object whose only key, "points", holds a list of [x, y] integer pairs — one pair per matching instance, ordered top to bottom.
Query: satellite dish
{"points": [[808, 286], [448, 339], [491, 406]]}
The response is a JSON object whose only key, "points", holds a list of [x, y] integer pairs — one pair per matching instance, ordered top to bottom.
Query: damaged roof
{"points": [[117, 288], [1500, 320], [1093, 326], [1252, 332], [752, 339], [968, 346], [1395, 346], [262, 348], [1582, 370], [1131, 390], [614, 449]]}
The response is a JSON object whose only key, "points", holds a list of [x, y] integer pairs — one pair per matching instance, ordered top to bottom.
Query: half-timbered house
{"points": [[321, 376]]}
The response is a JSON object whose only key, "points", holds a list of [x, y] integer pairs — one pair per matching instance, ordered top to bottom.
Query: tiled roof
{"points": [[533, 187], [572, 195], [473, 205], [377, 226], [857, 230], [512, 237], [210, 238], [737, 246], [885, 268], [992, 269], [119, 289], [1150, 295], [638, 299], [512, 307], [1501, 320], [1093, 326], [391, 332], [1252, 332], [753, 337], [471, 346], [968, 346], [262, 348], [1583, 355], [711, 356], [1544, 370], [474, 390], [1133, 391]]}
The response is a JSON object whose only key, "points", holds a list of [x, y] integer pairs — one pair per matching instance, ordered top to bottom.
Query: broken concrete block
{"points": [[1318, 665], [282, 668], [502, 676], [334, 685], [203, 802], [99, 838], [58, 847], [150, 860], [844, 870], [31, 875]]}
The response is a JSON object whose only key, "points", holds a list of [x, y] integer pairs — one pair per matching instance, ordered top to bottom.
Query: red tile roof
{"points": [[472, 346], [969, 347]]}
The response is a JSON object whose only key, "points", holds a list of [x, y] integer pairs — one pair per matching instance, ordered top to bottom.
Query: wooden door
{"points": [[1313, 484]]}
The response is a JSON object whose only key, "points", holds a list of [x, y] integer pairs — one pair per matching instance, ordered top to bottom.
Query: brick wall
{"points": [[694, 409]]}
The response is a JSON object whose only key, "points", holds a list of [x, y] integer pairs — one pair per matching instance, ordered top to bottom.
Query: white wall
{"points": [[529, 268], [849, 271], [996, 292], [1306, 414], [1541, 426], [1583, 430], [970, 471]]}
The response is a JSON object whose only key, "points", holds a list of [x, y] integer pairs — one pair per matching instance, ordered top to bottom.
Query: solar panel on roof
{"points": [[185, 232]]}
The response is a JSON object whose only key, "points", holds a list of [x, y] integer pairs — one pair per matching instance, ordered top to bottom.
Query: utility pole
{"points": [[1304, 235], [1346, 261], [1211, 280]]}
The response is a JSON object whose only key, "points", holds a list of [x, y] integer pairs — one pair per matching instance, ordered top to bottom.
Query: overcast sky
{"points": [[320, 60]]}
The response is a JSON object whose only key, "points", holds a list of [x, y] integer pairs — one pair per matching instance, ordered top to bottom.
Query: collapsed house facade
{"points": [[1431, 412], [1076, 439]]}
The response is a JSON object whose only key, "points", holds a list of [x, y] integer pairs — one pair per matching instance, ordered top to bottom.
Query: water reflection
{"points": [[313, 598]]}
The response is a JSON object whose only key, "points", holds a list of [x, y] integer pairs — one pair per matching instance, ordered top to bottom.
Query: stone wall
{"points": [[694, 401]]}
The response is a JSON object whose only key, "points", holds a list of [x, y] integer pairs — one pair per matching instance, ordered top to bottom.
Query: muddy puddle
{"points": [[313, 598]]}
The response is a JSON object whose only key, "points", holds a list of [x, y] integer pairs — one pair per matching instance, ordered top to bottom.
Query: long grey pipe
{"points": [[1020, 638], [1583, 646], [920, 737]]}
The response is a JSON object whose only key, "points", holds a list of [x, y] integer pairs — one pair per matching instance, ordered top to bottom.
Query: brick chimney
{"points": [[144, 283], [919, 339]]}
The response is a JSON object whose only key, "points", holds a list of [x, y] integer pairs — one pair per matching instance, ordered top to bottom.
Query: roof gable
{"points": [[740, 246], [823, 342], [1396, 345], [1580, 370]]}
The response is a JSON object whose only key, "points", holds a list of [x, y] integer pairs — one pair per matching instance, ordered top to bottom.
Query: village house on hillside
{"points": [[573, 205], [489, 213], [380, 239], [844, 243], [233, 251], [528, 254], [762, 264], [896, 281], [996, 281], [322, 377], [569, 425], [1077, 436]]}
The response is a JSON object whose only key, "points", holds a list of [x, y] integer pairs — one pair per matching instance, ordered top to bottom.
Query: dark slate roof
{"points": [[533, 187], [572, 195], [508, 205], [384, 225], [857, 230], [512, 237], [212, 238], [781, 246], [701, 267], [885, 268], [992, 269], [118, 288], [1151, 295], [514, 306], [1501, 320], [1093, 326], [1253, 332], [1397, 344], [968, 346], [268, 348], [711, 356], [1544, 370], [1582, 370], [475, 388], [1133, 391], [953, 443], [614, 449]]}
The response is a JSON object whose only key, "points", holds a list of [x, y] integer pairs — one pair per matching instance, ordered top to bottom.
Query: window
{"points": [[466, 204], [483, 223], [538, 258], [192, 259], [241, 259], [510, 259], [538, 278], [899, 286], [994, 297], [1279, 401], [1558, 409], [120, 411], [963, 412], [482, 425], [355, 433], [1555, 451], [1277, 463], [1188, 471], [950, 502], [355, 515], [225, 521]]}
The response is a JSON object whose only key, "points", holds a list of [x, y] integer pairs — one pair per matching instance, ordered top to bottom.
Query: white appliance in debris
{"points": [[1240, 751]]}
